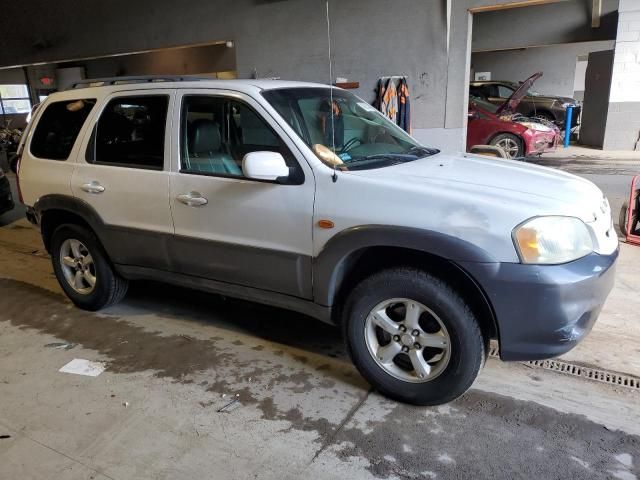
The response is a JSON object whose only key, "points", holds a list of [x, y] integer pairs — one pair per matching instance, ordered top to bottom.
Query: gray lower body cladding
{"points": [[543, 311]]}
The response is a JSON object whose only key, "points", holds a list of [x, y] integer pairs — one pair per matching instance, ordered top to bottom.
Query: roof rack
{"points": [[101, 82]]}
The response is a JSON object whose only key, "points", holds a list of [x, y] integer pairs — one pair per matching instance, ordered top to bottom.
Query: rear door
{"points": [[123, 173], [227, 227]]}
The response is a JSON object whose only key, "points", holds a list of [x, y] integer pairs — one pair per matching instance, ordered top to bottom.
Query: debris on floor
{"points": [[60, 345], [80, 366], [231, 405], [4, 437]]}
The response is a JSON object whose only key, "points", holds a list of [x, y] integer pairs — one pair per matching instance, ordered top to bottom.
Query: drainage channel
{"points": [[598, 375]]}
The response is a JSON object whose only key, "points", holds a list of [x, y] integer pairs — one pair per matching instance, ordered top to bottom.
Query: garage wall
{"points": [[567, 21], [285, 38], [177, 61], [558, 62], [623, 119]]}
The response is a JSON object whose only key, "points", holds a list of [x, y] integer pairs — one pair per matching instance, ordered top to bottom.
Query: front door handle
{"points": [[93, 187], [192, 199]]}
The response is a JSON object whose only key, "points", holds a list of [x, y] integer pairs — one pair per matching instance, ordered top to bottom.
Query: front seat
{"points": [[205, 145]]}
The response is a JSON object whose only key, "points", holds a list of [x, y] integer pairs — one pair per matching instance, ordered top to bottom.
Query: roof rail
{"points": [[101, 82]]}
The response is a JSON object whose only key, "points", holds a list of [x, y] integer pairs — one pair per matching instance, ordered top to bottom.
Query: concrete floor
{"points": [[174, 357]]}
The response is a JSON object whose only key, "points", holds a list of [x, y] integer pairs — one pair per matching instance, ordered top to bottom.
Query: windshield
{"points": [[349, 134]]}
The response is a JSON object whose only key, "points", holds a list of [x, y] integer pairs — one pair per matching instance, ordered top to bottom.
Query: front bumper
{"points": [[540, 142], [6, 199], [543, 311]]}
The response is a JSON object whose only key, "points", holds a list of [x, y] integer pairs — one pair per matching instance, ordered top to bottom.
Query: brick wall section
{"points": [[623, 118]]}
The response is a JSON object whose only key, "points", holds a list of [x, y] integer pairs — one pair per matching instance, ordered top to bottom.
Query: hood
{"points": [[510, 105], [516, 183]]}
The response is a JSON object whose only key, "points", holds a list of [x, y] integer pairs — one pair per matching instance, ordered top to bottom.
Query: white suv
{"points": [[304, 197]]}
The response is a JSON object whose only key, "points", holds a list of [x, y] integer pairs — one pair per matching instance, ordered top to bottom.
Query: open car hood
{"points": [[510, 105]]}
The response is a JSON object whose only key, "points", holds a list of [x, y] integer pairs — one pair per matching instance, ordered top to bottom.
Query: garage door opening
{"points": [[509, 46]]}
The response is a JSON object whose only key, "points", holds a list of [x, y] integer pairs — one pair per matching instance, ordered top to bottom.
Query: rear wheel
{"points": [[511, 144], [82, 269], [412, 337]]}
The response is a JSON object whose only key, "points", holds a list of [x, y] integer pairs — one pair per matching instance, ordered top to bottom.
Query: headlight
{"points": [[539, 127], [552, 240]]}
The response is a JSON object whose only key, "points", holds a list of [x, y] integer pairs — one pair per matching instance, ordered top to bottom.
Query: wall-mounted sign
{"points": [[482, 76]]}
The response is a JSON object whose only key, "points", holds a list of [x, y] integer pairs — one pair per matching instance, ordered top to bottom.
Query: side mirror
{"points": [[472, 114], [264, 166]]}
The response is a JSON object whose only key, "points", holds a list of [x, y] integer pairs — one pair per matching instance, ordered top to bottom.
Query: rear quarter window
{"points": [[58, 128]]}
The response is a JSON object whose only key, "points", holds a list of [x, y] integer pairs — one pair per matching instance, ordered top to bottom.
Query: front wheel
{"points": [[511, 144], [412, 337]]}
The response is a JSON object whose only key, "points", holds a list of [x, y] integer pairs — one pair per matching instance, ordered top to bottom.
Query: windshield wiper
{"points": [[429, 151], [413, 154]]}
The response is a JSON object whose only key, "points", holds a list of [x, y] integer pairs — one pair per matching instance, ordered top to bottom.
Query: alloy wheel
{"points": [[510, 146], [77, 266], [407, 340]]}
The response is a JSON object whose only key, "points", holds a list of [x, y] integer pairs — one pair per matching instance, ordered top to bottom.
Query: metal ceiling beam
{"points": [[512, 4]]}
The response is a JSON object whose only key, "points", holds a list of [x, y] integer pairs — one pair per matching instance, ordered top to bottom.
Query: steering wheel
{"points": [[350, 144]]}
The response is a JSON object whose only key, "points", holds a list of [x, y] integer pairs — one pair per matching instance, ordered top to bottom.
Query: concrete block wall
{"points": [[623, 118]]}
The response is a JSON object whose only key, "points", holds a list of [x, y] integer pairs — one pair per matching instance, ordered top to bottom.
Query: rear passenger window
{"points": [[59, 127], [130, 132]]}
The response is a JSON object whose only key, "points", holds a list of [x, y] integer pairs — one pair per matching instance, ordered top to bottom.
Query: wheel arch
{"points": [[503, 132], [55, 210], [357, 253]]}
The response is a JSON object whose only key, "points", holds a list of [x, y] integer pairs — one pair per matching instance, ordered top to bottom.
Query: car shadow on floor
{"points": [[261, 321]]}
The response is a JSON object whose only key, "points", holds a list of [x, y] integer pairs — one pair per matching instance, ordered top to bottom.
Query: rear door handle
{"points": [[93, 187], [192, 199]]}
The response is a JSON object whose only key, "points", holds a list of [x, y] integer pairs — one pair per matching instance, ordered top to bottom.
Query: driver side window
{"points": [[218, 132]]}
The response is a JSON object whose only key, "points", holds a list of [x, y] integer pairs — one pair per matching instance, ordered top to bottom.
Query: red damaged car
{"points": [[501, 126]]}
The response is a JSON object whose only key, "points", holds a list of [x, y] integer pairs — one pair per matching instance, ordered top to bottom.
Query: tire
{"points": [[510, 143], [622, 219], [108, 287], [452, 374]]}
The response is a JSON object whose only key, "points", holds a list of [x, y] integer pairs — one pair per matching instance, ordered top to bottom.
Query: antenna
{"points": [[331, 112]]}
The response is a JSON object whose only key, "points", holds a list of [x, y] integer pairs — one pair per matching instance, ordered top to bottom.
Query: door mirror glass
{"points": [[265, 166]]}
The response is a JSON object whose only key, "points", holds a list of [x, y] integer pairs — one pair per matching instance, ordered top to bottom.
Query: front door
{"points": [[123, 173], [227, 227]]}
